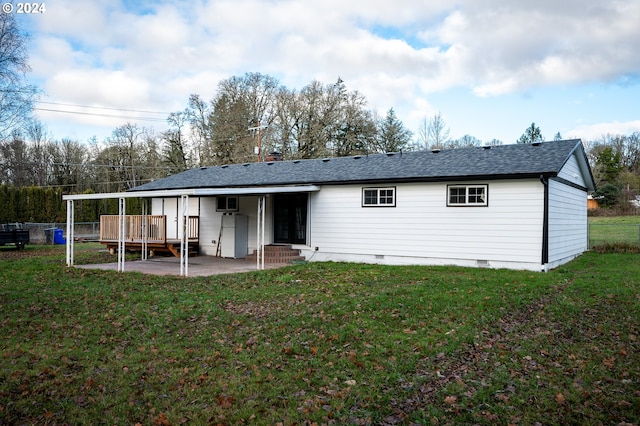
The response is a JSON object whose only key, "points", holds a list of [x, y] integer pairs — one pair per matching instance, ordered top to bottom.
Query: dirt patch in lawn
{"points": [[10, 252]]}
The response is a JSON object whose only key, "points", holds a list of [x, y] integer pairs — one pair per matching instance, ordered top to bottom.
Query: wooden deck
{"points": [[153, 228]]}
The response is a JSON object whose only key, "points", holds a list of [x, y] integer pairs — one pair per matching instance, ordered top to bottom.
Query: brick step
{"points": [[277, 254]]}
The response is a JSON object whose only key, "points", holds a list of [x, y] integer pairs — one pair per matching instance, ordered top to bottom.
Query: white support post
{"points": [[264, 207], [145, 231], [121, 233], [260, 233], [70, 236], [184, 241]]}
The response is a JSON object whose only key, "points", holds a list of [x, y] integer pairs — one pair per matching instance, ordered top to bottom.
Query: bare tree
{"points": [[16, 98], [242, 103], [198, 112], [314, 115], [326, 120], [282, 131], [437, 132], [423, 134], [39, 141], [466, 141], [175, 149], [69, 165]]}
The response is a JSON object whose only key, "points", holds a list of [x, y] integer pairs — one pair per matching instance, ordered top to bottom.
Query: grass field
{"points": [[615, 229], [321, 343]]}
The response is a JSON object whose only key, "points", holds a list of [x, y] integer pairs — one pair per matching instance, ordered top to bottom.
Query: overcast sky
{"points": [[489, 67]]}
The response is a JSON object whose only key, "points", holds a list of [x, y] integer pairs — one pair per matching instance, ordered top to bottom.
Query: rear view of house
{"points": [[511, 206]]}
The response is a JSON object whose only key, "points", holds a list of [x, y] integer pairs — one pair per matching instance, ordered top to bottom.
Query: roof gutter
{"points": [[195, 192]]}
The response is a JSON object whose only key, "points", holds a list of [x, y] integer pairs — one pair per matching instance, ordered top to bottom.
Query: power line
{"points": [[106, 108], [94, 114], [116, 166], [93, 184]]}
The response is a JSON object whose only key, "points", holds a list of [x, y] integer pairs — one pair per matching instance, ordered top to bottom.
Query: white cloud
{"points": [[534, 43], [102, 52], [99, 87], [592, 132]]}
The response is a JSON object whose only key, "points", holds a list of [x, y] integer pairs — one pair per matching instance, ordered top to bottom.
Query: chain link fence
{"points": [[41, 233]]}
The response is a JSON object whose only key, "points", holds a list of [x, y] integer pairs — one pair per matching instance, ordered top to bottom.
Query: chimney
{"points": [[274, 156]]}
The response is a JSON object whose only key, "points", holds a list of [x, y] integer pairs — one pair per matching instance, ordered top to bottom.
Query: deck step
{"points": [[278, 254]]}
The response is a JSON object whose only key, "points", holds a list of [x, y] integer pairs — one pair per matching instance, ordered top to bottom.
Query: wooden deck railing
{"points": [[156, 226], [194, 228]]}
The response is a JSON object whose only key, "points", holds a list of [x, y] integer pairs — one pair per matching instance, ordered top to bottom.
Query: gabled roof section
{"points": [[496, 162]]}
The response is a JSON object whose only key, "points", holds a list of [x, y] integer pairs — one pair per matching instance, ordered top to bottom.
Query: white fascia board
{"points": [[256, 190], [195, 192], [138, 194]]}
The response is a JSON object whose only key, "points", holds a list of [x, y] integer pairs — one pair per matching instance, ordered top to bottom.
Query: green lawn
{"points": [[615, 229], [320, 343]]}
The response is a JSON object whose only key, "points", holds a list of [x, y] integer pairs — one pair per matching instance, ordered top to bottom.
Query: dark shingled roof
{"points": [[496, 162]]}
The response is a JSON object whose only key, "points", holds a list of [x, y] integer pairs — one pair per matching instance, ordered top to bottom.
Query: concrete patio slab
{"points": [[199, 266]]}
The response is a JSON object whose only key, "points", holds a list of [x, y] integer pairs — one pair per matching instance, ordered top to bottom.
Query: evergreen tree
{"points": [[531, 135], [392, 136]]}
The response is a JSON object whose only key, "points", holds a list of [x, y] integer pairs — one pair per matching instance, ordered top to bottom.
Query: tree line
{"points": [[36, 173], [33, 204]]}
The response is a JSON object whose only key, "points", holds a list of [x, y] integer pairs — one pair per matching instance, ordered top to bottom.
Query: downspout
{"points": [[545, 225]]}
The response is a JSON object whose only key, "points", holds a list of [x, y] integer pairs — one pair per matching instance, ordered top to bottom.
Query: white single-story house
{"points": [[512, 206]]}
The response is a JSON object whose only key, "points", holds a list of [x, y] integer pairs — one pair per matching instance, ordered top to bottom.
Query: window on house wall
{"points": [[467, 195], [379, 197], [227, 204]]}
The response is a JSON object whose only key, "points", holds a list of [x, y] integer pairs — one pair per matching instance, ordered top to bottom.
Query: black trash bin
{"points": [[49, 234]]}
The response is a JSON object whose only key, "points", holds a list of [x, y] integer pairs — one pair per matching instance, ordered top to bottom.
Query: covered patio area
{"points": [[141, 229], [200, 266]]}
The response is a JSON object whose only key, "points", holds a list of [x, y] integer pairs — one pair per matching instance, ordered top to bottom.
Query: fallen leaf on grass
{"points": [[287, 350], [608, 362], [502, 397], [451, 399], [560, 399], [225, 401], [161, 420]]}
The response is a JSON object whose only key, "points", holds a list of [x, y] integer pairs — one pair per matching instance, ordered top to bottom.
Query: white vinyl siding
{"points": [[572, 173], [170, 207], [211, 220], [567, 222], [209, 226], [422, 226]]}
